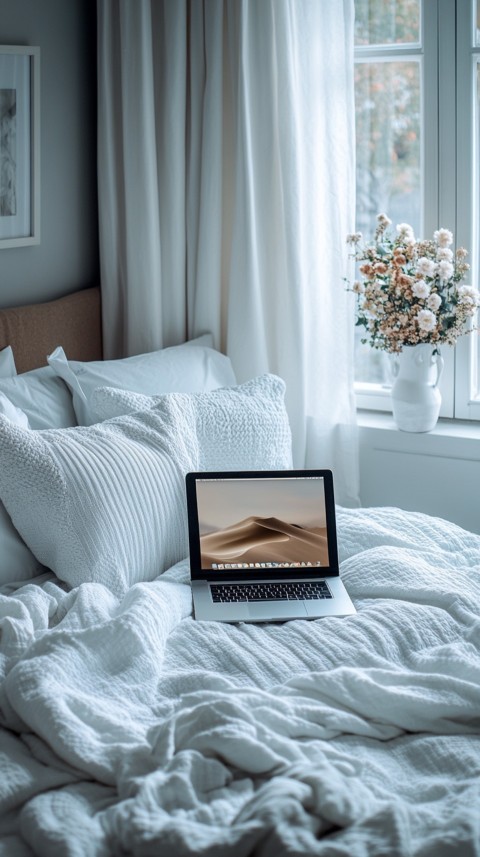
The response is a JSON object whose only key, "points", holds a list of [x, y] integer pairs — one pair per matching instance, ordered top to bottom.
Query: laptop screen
{"points": [[261, 523]]}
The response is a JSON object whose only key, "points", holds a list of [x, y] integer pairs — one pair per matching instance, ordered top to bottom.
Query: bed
{"points": [[127, 727]]}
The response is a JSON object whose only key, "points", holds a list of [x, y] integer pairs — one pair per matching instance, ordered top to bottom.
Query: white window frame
{"points": [[449, 193], [467, 404]]}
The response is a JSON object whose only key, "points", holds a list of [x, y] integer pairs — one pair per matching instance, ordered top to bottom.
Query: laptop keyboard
{"points": [[283, 591]]}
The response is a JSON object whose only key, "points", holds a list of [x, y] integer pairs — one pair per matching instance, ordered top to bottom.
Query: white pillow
{"points": [[7, 363], [191, 367], [42, 396], [12, 413], [238, 428], [104, 503], [16, 560]]}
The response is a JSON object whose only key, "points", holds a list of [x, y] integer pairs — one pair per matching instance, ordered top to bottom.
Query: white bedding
{"points": [[129, 728]]}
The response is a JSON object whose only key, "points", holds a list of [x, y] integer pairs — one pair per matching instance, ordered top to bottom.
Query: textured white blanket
{"points": [[129, 728]]}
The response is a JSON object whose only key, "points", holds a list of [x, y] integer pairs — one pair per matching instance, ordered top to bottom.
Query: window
{"points": [[417, 100]]}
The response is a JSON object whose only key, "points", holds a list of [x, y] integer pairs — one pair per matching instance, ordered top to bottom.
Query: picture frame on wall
{"points": [[19, 145]]}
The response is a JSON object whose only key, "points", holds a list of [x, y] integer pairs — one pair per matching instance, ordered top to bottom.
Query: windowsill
{"points": [[445, 428]]}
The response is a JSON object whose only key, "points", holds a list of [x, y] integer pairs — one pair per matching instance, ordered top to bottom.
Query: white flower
{"points": [[383, 220], [405, 232], [443, 237], [354, 238], [444, 254], [426, 267], [445, 270], [358, 287], [421, 289], [468, 295], [434, 301], [468, 305], [427, 320]]}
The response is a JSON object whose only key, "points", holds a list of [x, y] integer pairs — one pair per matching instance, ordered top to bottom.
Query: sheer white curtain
{"points": [[226, 190]]}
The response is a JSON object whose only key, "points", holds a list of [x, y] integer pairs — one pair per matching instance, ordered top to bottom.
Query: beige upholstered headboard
{"points": [[73, 322]]}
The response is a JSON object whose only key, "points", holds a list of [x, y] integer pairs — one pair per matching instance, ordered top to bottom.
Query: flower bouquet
{"points": [[410, 290]]}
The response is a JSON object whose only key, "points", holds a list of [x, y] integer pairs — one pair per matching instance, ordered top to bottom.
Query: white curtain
{"points": [[226, 190]]}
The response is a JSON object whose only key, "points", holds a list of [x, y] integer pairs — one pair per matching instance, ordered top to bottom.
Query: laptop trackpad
{"points": [[270, 611]]}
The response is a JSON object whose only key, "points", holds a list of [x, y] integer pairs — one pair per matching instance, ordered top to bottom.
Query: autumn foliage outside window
{"points": [[388, 130]]}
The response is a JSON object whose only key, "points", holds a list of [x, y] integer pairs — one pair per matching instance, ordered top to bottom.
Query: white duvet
{"points": [[129, 728]]}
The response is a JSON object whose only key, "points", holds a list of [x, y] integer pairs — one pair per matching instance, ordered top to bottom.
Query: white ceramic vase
{"points": [[416, 398]]}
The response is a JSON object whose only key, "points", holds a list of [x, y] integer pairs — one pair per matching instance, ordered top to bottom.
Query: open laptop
{"points": [[263, 546]]}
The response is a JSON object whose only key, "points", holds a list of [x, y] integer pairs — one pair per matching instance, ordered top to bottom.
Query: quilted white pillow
{"points": [[191, 367], [38, 400], [238, 428], [104, 503], [16, 560]]}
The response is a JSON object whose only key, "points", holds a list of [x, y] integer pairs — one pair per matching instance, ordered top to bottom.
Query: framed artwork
{"points": [[19, 146]]}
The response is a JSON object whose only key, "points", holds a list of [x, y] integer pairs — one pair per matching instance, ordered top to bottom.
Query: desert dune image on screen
{"points": [[250, 523]]}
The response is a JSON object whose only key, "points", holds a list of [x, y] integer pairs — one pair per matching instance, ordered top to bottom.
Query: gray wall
{"points": [[67, 257]]}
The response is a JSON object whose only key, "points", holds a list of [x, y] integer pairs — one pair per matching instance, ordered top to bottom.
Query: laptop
{"points": [[263, 546]]}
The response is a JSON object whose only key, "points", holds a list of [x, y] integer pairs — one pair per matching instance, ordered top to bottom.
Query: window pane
{"points": [[386, 22], [477, 40], [388, 143], [388, 146], [477, 335], [372, 366]]}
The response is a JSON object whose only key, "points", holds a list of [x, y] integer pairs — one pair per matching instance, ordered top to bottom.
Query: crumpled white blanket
{"points": [[129, 728]]}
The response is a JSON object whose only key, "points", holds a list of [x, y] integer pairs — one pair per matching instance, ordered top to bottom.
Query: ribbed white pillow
{"points": [[238, 428], [104, 503]]}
